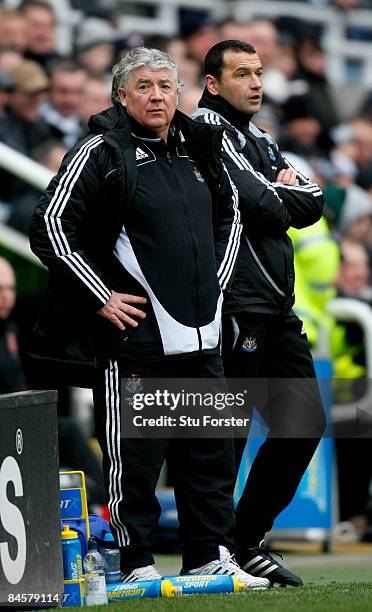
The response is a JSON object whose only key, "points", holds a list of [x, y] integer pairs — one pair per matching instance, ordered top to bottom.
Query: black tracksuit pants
{"points": [[276, 348], [203, 471]]}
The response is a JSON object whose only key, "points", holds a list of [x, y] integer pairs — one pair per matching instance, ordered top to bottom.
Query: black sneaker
{"points": [[259, 562]]}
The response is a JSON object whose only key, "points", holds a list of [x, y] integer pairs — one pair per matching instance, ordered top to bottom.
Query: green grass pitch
{"points": [[333, 583]]}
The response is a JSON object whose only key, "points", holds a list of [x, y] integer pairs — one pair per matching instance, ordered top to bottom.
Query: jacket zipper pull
{"points": [[169, 159]]}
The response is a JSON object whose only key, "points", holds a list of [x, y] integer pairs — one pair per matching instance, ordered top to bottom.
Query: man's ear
{"points": [[211, 84], [122, 96]]}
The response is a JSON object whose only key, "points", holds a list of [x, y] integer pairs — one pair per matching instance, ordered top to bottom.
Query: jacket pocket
{"points": [[264, 270]]}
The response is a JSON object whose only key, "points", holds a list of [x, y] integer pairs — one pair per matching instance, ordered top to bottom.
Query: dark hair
{"points": [[40, 4], [213, 63], [64, 65]]}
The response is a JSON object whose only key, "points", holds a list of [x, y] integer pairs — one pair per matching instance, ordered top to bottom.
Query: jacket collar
{"points": [[225, 109], [115, 122], [201, 139]]}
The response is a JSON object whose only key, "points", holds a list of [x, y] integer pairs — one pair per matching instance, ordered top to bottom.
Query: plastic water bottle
{"points": [[111, 556], [94, 568]]}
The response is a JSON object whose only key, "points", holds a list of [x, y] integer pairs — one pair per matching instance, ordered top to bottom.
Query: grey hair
{"points": [[141, 56]]}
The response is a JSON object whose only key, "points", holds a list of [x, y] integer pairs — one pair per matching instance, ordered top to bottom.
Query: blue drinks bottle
{"points": [[71, 550], [191, 584], [140, 589]]}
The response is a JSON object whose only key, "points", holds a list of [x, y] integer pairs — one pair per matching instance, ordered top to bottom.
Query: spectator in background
{"points": [[13, 29], [229, 29], [40, 30], [199, 33], [263, 35], [95, 46], [176, 48], [9, 58], [286, 62], [189, 68], [312, 69], [190, 73], [6, 87], [95, 98], [189, 99], [62, 109], [267, 120], [22, 127], [301, 127], [362, 128], [50, 154], [351, 157], [343, 169], [365, 178], [349, 209], [355, 219], [316, 260], [354, 273], [11, 370], [73, 447], [74, 450], [354, 472]]}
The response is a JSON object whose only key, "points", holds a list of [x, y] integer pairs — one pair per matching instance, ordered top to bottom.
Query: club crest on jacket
{"points": [[198, 174], [250, 344], [134, 384]]}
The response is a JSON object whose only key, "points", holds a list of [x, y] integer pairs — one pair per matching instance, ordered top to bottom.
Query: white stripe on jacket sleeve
{"points": [[53, 222], [228, 262]]}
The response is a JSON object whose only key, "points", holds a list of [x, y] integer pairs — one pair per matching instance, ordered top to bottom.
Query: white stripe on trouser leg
{"points": [[113, 446], [112, 484]]}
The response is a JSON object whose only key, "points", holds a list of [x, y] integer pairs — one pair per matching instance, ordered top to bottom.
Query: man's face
{"points": [[40, 29], [240, 82], [67, 91], [96, 97], [151, 98], [26, 106], [354, 269], [7, 289]]}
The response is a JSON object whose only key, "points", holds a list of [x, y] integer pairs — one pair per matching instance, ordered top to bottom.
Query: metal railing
{"points": [[164, 20], [337, 45], [339, 48], [34, 174]]}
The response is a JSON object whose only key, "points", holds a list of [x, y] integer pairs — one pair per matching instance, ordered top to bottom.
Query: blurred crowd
{"points": [[46, 100]]}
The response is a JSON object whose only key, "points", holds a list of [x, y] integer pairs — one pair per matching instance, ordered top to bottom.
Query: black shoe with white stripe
{"points": [[259, 562]]}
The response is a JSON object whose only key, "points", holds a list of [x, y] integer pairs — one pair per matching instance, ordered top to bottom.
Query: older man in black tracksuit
{"points": [[136, 281], [263, 336]]}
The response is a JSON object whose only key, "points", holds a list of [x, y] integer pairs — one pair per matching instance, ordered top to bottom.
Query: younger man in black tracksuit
{"points": [[263, 336]]}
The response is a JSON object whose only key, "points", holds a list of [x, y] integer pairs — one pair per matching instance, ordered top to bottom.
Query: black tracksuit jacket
{"points": [[129, 213], [264, 278]]}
